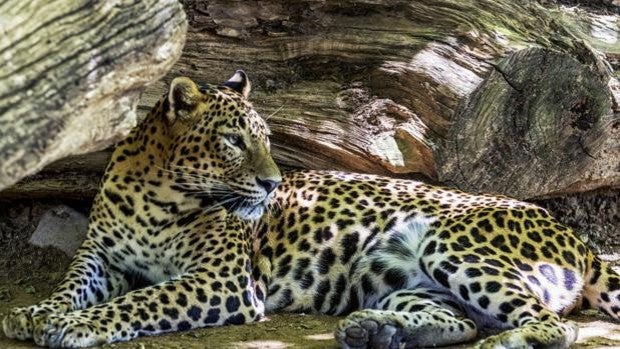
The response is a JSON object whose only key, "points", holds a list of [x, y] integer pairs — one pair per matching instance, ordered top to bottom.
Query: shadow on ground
{"points": [[28, 274], [279, 331]]}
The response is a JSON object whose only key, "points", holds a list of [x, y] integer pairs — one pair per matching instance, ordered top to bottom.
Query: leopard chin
{"points": [[249, 209], [250, 213]]}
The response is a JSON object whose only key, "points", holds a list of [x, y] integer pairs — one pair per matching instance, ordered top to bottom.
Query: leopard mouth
{"points": [[245, 207], [250, 213]]}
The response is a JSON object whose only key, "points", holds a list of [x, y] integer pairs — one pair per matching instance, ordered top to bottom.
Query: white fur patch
{"points": [[238, 77]]}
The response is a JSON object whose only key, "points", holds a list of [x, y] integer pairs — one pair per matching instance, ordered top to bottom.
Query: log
{"points": [[600, 6], [71, 73], [396, 87], [498, 96], [530, 124], [75, 177], [68, 186]]}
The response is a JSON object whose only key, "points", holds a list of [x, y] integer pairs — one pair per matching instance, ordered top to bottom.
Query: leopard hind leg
{"points": [[602, 288], [501, 299], [409, 318]]}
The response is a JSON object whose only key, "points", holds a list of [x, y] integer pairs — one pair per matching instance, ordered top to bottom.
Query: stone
{"points": [[61, 227]]}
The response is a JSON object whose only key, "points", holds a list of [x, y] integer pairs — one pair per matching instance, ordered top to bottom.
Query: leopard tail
{"points": [[602, 287]]}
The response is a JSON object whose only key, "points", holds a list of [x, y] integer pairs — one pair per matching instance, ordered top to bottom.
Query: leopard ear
{"points": [[240, 83], [183, 97]]}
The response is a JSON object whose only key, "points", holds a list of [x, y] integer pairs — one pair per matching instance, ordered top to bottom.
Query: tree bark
{"points": [[71, 73], [486, 95], [498, 96], [530, 127], [75, 177]]}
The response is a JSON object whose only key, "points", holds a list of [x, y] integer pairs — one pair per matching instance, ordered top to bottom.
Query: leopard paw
{"points": [[20, 322], [369, 329], [67, 331]]}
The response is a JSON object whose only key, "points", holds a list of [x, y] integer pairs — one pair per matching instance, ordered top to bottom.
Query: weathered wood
{"points": [[598, 6], [71, 73], [383, 86], [397, 87], [531, 126], [91, 162], [74, 177], [72, 185]]}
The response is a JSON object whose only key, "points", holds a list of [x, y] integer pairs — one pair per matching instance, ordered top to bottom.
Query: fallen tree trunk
{"points": [[71, 73], [485, 95], [539, 118], [74, 177]]}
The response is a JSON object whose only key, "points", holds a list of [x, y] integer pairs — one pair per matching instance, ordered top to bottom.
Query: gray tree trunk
{"points": [[71, 73]]}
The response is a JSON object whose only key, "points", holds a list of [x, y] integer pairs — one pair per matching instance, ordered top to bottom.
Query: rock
{"points": [[61, 227]]}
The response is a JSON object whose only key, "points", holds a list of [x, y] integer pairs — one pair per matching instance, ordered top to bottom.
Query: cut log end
{"points": [[534, 126]]}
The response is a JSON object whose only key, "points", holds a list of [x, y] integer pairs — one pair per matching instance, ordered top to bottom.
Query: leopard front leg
{"points": [[87, 282], [192, 301], [413, 318]]}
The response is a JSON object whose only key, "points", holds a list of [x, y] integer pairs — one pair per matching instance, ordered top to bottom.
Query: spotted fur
{"points": [[173, 244], [167, 247], [420, 266]]}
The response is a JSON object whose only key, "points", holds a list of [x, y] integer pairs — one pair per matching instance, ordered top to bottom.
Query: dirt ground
{"points": [[28, 273], [279, 331]]}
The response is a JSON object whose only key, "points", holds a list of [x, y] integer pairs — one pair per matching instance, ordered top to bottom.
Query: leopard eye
{"points": [[236, 140]]}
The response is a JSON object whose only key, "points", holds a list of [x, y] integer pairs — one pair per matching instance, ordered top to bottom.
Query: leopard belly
{"points": [[340, 253], [317, 280]]}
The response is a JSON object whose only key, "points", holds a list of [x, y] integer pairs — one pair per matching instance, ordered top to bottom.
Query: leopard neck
{"points": [[139, 164]]}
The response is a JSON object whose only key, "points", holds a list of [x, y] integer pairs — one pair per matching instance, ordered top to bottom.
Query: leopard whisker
{"points": [[274, 113], [198, 180], [231, 185], [218, 204]]}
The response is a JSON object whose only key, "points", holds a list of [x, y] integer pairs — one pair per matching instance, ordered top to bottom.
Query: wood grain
{"points": [[71, 73], [422, 89]]}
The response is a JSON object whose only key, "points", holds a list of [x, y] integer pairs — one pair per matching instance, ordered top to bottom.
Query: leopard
{"points": [[195, 226], [166, 246], [410, 264]]}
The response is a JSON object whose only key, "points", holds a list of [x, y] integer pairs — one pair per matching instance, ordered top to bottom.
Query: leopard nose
{"points": [[269, 184]]}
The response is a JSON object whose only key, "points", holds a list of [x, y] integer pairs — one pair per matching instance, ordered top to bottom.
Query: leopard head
{"points": [[220, 144]]}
